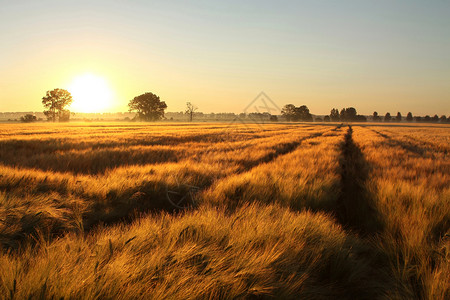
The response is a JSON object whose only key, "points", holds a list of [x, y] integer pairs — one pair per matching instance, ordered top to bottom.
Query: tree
{"points": [[55, 102], [148, 107], [190, 109], [288, 111], [293, 113], [303, 113], [348, 114], [334, 115], [376, 117], [387, 117], [409, 117], [28, 118], [273, 118], [361, 118], [398, 118], [326, 119], [427, 119], [435, 119], [443, 119]]}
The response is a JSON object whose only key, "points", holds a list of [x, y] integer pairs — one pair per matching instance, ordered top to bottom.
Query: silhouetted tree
{"points": [[55, 102], [148, 107], [190, 109], [288, 111], [293, 113], [303, 113], [348, 114], [334, 115], [258, 117], [376, 117], [387, 117], [409, 117], [28, 118], [361, 118], [398, 118], [273, 119], [318, 119], [326, 119], [418, 119], [427, 119], [435, 119], [443, 119]]}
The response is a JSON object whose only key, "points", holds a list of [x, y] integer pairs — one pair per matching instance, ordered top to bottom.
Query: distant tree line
{"points": [[149, 107], [291, 113], [409, 118]]}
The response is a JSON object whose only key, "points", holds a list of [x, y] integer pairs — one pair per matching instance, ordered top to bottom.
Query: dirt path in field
{"points": [[356, 210]]}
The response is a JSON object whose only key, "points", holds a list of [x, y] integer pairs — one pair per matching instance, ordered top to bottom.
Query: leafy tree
{"points": [[55, 103], [148, 107], [190, 109], [288, 111], [293, 113], [303, 113], [348, 114], [334, 115], [259, 117], [376, 117], [387, 117], [409, 117], [28, 118], [273, 118], [361, 118], [398, 118], [418, 118], [318, 119], [326, 119], [427, 119], [435, 119], [443, 119]]}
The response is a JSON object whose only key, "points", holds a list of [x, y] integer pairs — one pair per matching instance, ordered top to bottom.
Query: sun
{"points": [[90, 94]]}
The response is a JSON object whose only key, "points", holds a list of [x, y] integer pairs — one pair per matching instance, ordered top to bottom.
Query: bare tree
{"points": [[190, 109]]}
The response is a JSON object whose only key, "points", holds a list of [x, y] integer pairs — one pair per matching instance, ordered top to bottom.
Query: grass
{"points": [[410, 184], [280, 211], [207, 253]]}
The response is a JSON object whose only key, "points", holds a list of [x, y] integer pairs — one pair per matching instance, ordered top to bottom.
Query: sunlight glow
{"points": [[90, 94]]}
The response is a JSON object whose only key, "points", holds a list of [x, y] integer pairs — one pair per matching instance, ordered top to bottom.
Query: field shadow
{"points": [[356, 208]]}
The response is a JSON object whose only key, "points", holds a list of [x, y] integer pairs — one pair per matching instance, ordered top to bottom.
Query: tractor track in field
{"points": [[408, 146], [281, 149], [355, 208], [357, 212]]}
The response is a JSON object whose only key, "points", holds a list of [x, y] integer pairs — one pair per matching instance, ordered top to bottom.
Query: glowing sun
{"points": [[90, 93]]}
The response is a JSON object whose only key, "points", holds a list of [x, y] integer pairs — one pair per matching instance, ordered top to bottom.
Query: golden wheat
{"points": [[279, 210]]}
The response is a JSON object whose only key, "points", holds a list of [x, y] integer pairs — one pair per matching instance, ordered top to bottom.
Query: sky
{"points": [[383, 56]]}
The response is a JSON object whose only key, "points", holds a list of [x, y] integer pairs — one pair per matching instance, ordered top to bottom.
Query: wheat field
{"points": [[195, 211]]}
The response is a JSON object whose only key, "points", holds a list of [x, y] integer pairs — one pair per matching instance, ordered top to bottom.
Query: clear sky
{"points": [[382, 55]]}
